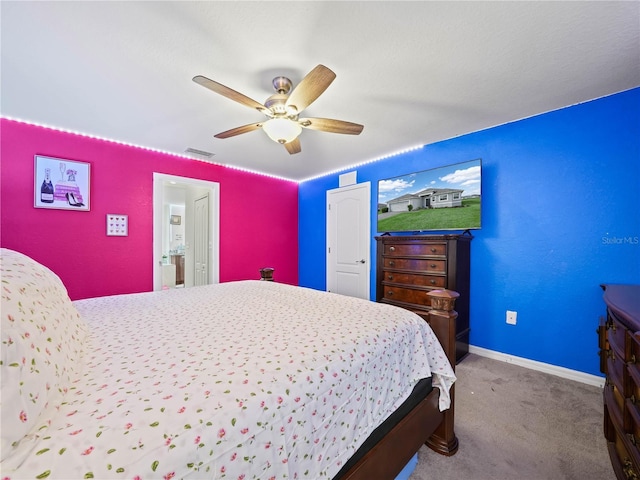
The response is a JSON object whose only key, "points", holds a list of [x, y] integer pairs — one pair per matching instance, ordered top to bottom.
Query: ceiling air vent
{"points": [[199, 153]]}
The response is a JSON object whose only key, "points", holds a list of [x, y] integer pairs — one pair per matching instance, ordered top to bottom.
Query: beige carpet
{"points": [[514, 423]]}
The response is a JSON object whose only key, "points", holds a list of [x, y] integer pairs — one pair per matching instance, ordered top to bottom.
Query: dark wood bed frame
{"points": [[425, 424]]}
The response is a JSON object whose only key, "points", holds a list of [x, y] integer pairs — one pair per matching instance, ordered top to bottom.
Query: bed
{"points": [[237, 380]]}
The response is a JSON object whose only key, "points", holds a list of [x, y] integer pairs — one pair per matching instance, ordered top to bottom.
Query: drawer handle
{"points": [[393, 249], [434, 249], [392, 263], [433, 265], [390, 277], [433, 282], [390, 293], [633, 358], [632, 398], [632, 438], [628, 470]]}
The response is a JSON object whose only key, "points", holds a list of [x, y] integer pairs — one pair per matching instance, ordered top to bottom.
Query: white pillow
{"points": [[42, 336]]}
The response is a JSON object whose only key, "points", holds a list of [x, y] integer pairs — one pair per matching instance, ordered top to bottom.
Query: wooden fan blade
{"points": [[310, 88], [229, 93], [332, 126], [239, 130], [293, 146]]}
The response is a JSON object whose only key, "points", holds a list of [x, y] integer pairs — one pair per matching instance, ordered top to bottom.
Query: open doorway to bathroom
{"points": [[185, 232]]}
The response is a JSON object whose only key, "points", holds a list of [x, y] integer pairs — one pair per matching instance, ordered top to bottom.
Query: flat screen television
{"points": [[439, 199]]}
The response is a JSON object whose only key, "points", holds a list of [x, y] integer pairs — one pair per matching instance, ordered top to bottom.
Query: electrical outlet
{"points": [[512, 317]]}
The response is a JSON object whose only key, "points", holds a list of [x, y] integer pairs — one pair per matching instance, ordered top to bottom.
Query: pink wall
{"points": [[253, 233]]}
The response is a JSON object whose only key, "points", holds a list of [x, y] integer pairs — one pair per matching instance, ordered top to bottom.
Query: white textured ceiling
{"points": [[411, 72]]}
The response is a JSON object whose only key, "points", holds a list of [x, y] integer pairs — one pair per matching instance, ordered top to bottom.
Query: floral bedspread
{"points": [[238, 380]]}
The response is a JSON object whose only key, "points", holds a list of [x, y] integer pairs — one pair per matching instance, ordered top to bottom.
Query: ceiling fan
{"points": [[283, 108]]}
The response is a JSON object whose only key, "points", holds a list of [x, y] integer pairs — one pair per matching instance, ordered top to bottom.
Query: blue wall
{"points": [[560, 216]]}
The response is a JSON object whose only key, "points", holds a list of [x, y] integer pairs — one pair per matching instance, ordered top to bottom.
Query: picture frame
{"points": [[61, 184], [175, 220], [117, 225]]}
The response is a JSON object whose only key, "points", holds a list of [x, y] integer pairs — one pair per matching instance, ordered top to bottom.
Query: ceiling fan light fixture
{"points": [[284, 107], [282, 130]]}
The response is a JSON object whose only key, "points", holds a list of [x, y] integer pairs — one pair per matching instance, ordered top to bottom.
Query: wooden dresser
{"points": [[407, 267], [619, 342]]}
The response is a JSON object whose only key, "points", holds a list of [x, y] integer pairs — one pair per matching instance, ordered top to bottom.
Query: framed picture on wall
{"points": [[61, 184], [117, 225]]}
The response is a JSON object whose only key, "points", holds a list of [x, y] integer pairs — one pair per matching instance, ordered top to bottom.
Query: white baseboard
{"points": [[582, 377]]}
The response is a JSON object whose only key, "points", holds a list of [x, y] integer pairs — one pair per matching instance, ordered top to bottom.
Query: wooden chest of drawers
{"points": [[407, 267], [619, 341]]}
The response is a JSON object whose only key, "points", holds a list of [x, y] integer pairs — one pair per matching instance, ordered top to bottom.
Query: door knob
{"points": [[361, 261]]}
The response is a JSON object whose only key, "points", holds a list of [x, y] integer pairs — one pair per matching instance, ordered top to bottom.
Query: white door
{"points": [[201, 240], [348, 240]]}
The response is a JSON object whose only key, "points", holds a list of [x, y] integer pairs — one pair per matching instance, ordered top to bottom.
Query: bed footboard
{"points": [[425, 424], [393, 452]]}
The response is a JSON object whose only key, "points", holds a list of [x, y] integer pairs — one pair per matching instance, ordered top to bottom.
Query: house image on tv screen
{"points": [[433, 198], [443, 198]]}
